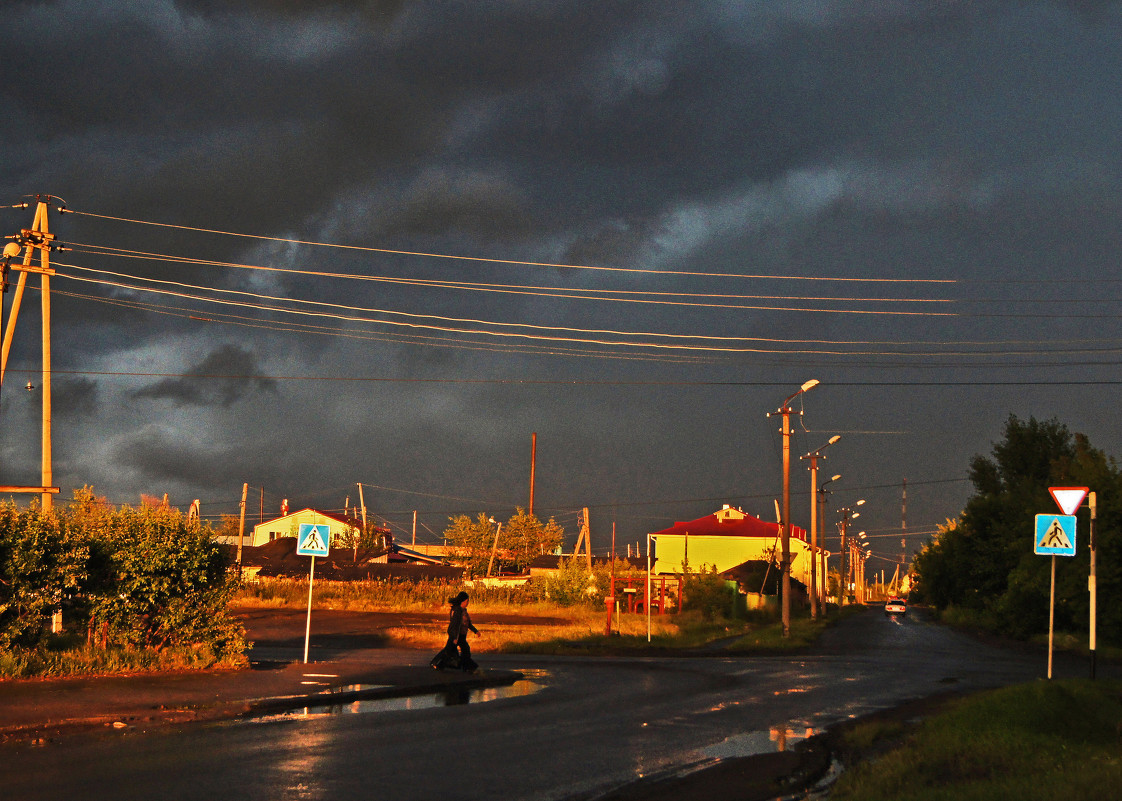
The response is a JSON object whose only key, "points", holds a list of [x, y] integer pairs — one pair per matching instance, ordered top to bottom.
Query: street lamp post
{"points": [[813, 456], [822, 493], [847, 515], [785, 563], [859, 567]]}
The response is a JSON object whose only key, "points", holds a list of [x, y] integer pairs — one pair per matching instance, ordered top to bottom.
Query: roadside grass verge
{"points": [[378, 596], [984, 624], [64, 656], [1040, 741]]}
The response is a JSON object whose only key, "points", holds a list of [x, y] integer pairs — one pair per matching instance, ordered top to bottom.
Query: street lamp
{"points": [[814, 456], [822, 493], [847, 515], [495, 547], [862, 553], [785, 564]]}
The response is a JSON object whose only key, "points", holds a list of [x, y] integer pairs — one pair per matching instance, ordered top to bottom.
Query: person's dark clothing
{"points": [[459, 624]]}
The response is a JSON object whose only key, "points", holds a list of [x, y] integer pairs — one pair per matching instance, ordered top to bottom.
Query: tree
{"points": [[524, 538], [471, 542], [984, 561]]}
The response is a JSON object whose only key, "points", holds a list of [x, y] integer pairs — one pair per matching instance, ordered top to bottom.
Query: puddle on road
{"points": [[447, 696], [777, 738]]}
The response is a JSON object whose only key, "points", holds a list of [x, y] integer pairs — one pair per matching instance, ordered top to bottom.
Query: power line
{"points": [[516, 262]]}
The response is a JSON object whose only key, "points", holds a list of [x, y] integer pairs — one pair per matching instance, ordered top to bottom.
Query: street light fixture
{"points": [[814, 523], [785, 564]]}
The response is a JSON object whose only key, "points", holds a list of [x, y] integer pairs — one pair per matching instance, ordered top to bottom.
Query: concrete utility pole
{"points": [[37, 237], [533, 466], [822, 493], [814, 524], [846, 558], [785, 561]]}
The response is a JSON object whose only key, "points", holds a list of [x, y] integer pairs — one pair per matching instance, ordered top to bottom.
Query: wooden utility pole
{"points": [[37, 237], [241, 523], [585, 537]]}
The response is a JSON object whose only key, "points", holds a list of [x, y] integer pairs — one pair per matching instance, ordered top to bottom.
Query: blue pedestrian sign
{"points": [[1055, 535], [313, 539]]}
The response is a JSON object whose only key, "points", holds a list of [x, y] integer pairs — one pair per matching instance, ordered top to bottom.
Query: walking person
{"points": [[459, 624], [456, 651]]}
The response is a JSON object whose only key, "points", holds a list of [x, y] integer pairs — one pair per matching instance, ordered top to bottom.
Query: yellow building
{"points": [[289, 526], [725, 539]]}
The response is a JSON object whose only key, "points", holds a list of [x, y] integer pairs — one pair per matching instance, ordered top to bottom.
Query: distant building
{"points": [[340, 527], [726, 539]]}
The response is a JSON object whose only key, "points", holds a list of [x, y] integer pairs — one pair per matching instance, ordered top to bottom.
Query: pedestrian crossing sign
{"points": [[1055, 535], [313, 539]]}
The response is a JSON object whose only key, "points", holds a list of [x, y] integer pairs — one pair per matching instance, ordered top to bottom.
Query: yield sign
{"points": [[1068, 498]]}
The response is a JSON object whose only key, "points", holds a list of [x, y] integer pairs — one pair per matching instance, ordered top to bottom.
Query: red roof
{"points": [[729, 523]]}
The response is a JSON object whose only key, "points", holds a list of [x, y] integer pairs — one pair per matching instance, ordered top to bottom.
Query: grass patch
{"points": [[376, 596], [61, 657], [1043, 740]]}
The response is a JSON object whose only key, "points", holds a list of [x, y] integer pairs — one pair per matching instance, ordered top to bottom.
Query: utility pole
{"points": [[37, 237], [814, 456], [533, 465], [241, 523], [585, 536], [785, 561], [1092, 583]]}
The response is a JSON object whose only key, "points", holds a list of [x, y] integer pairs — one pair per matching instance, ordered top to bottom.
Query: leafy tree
{"points": [[524, 538], [471, 541], [984, 561]]}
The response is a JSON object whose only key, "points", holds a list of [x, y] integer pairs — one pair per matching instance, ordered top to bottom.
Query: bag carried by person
{"points": [[448, 658]]}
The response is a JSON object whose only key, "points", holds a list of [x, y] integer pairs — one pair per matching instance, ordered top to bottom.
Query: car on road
{"points": [[895, 606]]}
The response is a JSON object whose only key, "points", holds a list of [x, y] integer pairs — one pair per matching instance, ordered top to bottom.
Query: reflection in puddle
{"points": [[447, 696], [777, 738]]}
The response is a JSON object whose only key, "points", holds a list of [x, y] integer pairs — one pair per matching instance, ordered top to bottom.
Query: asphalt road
{"points": [[593, 725]]}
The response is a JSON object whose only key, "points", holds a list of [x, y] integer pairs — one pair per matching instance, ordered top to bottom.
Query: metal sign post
{"points": [[1055, 536], [312, 541]]}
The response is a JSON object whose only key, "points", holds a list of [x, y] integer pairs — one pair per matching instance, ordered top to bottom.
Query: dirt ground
{"points": [[350, 629]]}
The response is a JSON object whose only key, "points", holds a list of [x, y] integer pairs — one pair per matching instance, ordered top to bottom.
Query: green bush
{"points": [[41, 564], [141, 578], [571, 585], [709, 594]]}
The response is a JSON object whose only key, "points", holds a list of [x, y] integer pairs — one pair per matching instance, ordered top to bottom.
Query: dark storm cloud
{"points": [[380, 11], [972, 140], [227, 375], [74, 396], [160, 456]]}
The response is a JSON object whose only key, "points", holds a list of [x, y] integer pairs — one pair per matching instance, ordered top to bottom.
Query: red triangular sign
{"points": [[1068, 498]]}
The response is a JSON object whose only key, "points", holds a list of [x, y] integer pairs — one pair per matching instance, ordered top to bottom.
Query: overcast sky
{"points": [[386, 242]]}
